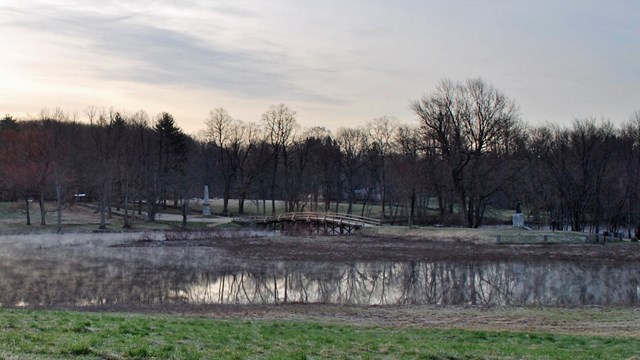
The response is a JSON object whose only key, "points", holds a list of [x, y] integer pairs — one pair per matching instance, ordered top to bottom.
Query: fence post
{"points": [[498, 239]]}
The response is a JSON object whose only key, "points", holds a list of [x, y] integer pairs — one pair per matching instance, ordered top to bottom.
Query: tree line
{"points": [[466, 158]]}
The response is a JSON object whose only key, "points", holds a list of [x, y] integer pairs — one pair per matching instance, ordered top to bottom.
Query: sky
{"points": [[335, 62]]}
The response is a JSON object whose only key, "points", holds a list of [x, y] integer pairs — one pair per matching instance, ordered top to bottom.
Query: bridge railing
{"points": [[315, 216]]}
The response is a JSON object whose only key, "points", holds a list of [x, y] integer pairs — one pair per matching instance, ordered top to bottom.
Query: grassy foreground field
{"points": [[41, 334]]}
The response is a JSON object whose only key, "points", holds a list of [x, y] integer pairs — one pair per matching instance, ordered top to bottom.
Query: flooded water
{"points": [[73, 274]]}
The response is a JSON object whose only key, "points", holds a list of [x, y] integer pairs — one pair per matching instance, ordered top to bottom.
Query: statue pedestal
{"points": [[206, 205], [518, 220]]}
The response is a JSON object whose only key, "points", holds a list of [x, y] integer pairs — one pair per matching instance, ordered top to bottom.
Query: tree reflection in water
{"points": [[51, 278]]}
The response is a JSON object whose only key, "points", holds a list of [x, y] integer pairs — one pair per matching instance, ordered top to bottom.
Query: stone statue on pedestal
{"points": [[206, 205], [518, 217]]}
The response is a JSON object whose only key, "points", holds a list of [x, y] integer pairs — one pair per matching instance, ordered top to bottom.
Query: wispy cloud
{"points": [[154, 54], [334, 61]]}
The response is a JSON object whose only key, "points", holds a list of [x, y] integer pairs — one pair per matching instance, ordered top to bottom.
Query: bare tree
{"points": [[467, 121], [279, 123], [381, 131], [225, 135], [353, 143], [58, 150], [104, 154], [51, 156], [312, 158], [251, 161], [576, 161], [19, 164], [128, 164], [408, 165], [631, 166], [322, 174]]}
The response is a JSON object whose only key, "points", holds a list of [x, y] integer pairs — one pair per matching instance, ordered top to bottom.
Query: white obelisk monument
{"points": [[206, 206]]}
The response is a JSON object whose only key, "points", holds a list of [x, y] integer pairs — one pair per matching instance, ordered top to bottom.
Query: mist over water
{"points": [[86, 271]]}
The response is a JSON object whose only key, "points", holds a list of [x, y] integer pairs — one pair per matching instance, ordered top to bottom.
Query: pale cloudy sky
{"points": [[336, 62]]}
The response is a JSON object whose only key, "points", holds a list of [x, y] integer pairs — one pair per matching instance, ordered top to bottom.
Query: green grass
{"points": [[14, 211], [54, 334]]}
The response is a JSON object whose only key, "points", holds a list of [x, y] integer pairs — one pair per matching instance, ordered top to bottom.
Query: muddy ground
{"points": [[393, 248]]}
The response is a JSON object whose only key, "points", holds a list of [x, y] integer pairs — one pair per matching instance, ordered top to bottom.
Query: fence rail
{"points": [[328, 217], [559, 238]]}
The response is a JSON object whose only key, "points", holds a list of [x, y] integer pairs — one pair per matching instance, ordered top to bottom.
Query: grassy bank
{"points": [[508, 234], [54, 334]]}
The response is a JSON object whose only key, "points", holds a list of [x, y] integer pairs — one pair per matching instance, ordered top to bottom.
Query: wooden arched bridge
{"points": [[312, 222]]}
